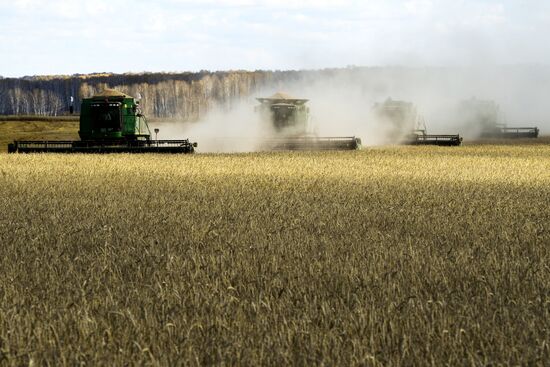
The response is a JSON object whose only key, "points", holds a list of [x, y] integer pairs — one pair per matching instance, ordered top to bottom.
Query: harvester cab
{"points": [[112, 115], [289, 116], [398, 117], [290, 119], [485, 119], [110, 122], [404, 124]]}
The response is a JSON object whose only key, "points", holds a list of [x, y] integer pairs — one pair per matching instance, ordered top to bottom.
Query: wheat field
{"points": [[387, 256]]}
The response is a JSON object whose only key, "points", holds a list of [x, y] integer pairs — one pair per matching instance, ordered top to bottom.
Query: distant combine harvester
{"points": [[486, 118], [290, 119], [405, 124]]}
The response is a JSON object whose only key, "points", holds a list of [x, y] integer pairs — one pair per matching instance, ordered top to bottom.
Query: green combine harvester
{"points": [[289, 117], [486, 118], [110, 122], [405, 125]]}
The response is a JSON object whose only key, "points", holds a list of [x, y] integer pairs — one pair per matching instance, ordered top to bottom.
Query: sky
{"points": [[41, 37]]}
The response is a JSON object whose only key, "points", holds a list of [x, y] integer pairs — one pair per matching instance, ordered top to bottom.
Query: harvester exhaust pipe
{"points": [[157, 136]]}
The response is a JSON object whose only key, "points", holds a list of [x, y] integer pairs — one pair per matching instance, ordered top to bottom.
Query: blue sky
{"points": [[66, 37]]}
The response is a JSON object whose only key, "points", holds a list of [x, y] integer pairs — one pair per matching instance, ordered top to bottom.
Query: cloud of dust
{"points": [[341, 104], [223, 130]]}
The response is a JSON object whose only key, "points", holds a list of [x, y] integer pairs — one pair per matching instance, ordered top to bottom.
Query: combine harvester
{"points": [[485, 116], [290, 119], [110, 122], [408, 126]]}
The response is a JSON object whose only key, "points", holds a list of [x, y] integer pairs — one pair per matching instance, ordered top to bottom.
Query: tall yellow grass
{"points": [[389, 256]]}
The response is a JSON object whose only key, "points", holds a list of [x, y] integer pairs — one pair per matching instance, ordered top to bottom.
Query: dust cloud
{"points": [[341, 104], [234, 129]]}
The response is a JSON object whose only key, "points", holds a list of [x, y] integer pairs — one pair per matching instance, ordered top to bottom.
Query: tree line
{"points": [[186, 96]]}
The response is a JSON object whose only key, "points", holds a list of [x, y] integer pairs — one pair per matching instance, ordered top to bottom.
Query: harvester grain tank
{"points": [[485, 117], [290, 119], [110, 122], [403, 123]]}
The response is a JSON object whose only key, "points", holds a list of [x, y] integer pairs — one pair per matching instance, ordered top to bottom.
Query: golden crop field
{"points": [[386, 256]]}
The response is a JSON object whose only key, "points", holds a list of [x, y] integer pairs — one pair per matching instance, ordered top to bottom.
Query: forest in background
{"points": [[186, 96]]}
